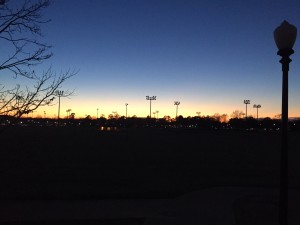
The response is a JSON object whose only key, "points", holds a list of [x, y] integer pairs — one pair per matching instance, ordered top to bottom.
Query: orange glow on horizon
{"points": [[143, 112]]}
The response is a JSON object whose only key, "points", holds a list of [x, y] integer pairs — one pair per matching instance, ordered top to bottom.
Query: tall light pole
{"points": [[285, 36], [59, 94], [150, 99], [246, 102], [177, 103], [126, 104], [257, 107], [97, 112], [68, 113], [198, 113], [157, 114]]}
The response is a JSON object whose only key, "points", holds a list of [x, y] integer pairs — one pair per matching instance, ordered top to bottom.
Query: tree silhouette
{"points": [[20, 35], [237, 114], [72, 116]]}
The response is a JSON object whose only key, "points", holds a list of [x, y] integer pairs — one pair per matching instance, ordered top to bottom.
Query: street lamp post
{"points": [[285, 37], [59, 94], [150, 99], [246, 102], [177, 103], [126, 104], [257, 107], [97, 112], [68, 113], [198, 113], [157, 114]]}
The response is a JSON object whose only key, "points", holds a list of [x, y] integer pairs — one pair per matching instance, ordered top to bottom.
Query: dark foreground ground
{"points": [[85, 163]]}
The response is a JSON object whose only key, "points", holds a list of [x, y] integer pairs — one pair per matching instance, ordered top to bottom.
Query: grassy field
{"points": [[85, 163]]}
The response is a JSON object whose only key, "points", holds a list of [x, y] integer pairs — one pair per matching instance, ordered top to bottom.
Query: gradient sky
{"points": [[209, 55]]}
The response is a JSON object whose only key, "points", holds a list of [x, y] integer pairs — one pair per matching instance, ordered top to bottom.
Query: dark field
{"points": [[85, 163]]}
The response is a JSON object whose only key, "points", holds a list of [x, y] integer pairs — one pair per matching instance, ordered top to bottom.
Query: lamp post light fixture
{"points": [[285, 36], [59, 94], [150, 99], [246, 102], [177, 103], [126, 104], [257, 107], [97, 112], [68, 113], [198, 113], [157, 114]]}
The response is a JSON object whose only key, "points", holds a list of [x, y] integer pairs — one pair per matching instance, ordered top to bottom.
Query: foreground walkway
{"points": [[219, 205]]}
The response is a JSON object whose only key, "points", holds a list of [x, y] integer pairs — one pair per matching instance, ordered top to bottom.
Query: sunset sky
{"points": [[209, 55]]}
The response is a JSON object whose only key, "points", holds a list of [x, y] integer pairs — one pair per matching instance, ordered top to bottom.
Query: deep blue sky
{"points": [[209, 55]]}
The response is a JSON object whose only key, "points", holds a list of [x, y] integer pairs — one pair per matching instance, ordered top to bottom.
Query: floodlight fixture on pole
{"points": [[285, 36], [59, 94], [150, 99], [246, 102], [177, 103], [126, 104], [257, 107], [68, 113], [198, 113], [157, 114]]}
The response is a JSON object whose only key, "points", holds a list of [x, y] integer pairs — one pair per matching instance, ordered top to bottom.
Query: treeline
{"points": [[196, 122]]}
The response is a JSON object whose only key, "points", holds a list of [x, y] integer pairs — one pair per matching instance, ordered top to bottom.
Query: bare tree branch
{"points": [[20, 30], [17, 101]]}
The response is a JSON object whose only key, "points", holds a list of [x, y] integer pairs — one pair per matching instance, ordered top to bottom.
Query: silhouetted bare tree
{"points": [[20, 35], [237, 114]]}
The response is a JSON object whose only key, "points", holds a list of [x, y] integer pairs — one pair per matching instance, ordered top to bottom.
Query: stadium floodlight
{"points": [[150, 98]]}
